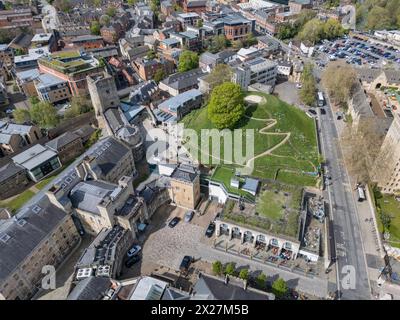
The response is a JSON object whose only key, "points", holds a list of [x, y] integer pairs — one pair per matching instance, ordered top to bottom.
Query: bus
{"points": [[321, 100], [361, 194]]}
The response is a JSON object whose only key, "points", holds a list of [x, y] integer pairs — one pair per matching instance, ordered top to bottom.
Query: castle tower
{"points": [[103, 94]]}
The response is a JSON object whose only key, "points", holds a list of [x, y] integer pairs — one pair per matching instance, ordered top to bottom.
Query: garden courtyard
{"points": [[285, 145], [388, 213]]}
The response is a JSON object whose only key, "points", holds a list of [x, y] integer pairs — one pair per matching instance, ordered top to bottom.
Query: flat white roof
{"points": [[41, 37], [34, 156], [145, 287]]}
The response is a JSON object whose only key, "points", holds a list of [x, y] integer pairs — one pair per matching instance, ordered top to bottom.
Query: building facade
{"points": [[42, 235]]}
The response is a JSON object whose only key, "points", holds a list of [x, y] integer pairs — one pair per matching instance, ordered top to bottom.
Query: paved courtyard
{"points": [[288, 92], [164, 248]]}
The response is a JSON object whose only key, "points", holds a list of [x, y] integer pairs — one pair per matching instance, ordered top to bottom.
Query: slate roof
{"points": [[369, 75], [180, 81], [176, 102], [114, 119], [12, 128], [84, 131], [5, 138], [63, 140], [108, 153], [9, 170], [185, 173], [250, 185], [88, 194], [40, 220], [92, 288], [211, 288]]}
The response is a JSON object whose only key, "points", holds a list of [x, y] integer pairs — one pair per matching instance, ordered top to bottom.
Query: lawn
{"points": [[293, 160], [224, 174], [40, 185], [18, 201], [280, 204], [389, 205], [276, 210]]}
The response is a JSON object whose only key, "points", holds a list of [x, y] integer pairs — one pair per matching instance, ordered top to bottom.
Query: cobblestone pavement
{"points": [[166, 247]]}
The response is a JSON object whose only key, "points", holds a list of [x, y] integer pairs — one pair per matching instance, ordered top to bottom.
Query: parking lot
{"points": [[358, 52], [164, 247]]}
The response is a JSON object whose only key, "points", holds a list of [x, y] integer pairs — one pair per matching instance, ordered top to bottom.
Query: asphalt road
{"points": [[50, 20], [346, 225]]}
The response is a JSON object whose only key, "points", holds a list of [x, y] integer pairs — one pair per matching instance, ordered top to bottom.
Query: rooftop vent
{"points": [[36, 209], [21, 222], [4, 238], [103, 271], [84, 273]]}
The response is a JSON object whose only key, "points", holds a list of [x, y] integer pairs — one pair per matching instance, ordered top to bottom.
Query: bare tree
{"points": [[339, 79], [361, 147]]}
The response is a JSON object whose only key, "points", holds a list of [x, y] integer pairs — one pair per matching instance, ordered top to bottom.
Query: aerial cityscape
{"points": [[199, 150]]}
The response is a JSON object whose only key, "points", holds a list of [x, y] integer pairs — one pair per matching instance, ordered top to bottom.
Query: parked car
{"points": [[298, 85], [322, 111], [311, 113], [189, 215], [174, 222], [210, 229], [134, 251], [132, 260], [185, 264]]}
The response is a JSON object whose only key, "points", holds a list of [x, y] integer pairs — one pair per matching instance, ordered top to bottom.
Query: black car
{"points": [[312, 111], [323, 111], [174, 222], [210, 229], [131, 261], [185, 264]]}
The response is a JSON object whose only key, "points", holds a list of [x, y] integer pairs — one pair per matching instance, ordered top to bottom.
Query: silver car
{"points": [[189, 216]]}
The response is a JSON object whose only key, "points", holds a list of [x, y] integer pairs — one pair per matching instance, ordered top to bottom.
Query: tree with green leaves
{"points": [[132, 2], [97, 3], [63, 5], [155, 5], [111, 11], [105, 20], [199, 23], [95, 28], [332, 29], [287, 30], [312, 31], [250, 40], [218, 43], [237, 44], [151, 54], [188, 60], [220, 74], [159, 75], [308, 90], [34, 100], [79, 105], [226, 106], [21, 115], [44, 115], [217, 268], [230, 269], [244, 274], [261, 280], [280, 288]]}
